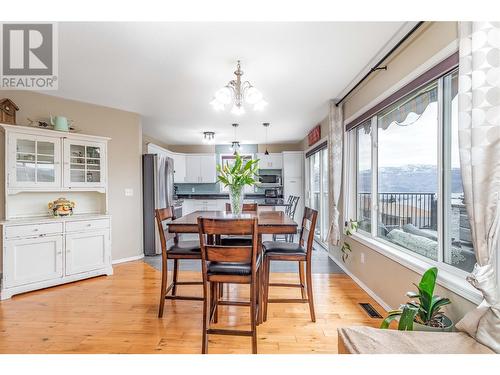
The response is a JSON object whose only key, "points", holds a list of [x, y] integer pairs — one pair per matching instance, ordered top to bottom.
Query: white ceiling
{"points": [[168, 72]]}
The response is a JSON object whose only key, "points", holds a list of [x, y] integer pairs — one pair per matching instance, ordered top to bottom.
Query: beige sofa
{"points": [[368, 340]]}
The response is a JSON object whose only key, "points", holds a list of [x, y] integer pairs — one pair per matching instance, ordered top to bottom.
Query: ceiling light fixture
{"points": [[238, 93], [266, 125], [208, 137], [235, 145]]}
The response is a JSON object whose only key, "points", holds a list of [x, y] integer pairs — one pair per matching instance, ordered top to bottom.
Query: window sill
{"points": [[454, 281]]}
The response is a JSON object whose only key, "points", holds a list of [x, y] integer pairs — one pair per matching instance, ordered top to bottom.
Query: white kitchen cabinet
{"points": [[48, 160], [34, 161], [271, 161], [84, 163], [293, 164], [179, 167], [200, 168], [208, 173], [188, 206], [37, 249], [87, 251], [39, 254], [31, 260]]}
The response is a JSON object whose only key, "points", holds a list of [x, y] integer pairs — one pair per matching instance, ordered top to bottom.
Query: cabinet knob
{"points": [[35, 230]]}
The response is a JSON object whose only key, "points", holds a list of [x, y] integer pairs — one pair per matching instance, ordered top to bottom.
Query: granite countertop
{"points": [[216, 196], [271, 202]]}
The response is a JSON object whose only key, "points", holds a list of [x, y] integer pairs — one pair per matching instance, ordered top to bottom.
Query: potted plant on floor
{"points": [[235, 177], [425, 313]]}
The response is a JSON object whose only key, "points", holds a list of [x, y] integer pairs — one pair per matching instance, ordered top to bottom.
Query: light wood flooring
{"points": [[118, 314]]}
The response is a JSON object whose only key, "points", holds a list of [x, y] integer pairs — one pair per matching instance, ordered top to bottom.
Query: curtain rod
{"points": [[378, 65]]}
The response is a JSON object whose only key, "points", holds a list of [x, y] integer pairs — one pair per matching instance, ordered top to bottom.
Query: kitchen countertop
{"points": [[217, 196], [271, 202], [53, 219]]}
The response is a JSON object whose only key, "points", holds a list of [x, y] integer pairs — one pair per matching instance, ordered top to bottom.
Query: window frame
{"points": [[450, 277]]}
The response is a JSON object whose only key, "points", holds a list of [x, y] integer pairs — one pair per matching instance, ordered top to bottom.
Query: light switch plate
{"points": [[129, 192], [362, 257]]}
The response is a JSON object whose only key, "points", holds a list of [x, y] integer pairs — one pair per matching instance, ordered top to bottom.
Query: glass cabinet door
{"points": [[36, 161], [84, 163]]}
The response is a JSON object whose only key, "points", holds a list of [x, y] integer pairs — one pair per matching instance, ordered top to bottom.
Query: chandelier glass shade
{"points": [[236, 94]]}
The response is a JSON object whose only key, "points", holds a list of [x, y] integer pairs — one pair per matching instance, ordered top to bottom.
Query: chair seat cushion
{"points": [[236, 241], [185, 248], [286, 248], [229, 268]]}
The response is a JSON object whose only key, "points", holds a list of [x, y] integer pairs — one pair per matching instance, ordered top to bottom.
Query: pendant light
{"points": [[266, 125], [235, 145]]}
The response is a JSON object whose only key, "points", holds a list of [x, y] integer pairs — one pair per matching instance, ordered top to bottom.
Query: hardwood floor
{"points": [[118, 314]]}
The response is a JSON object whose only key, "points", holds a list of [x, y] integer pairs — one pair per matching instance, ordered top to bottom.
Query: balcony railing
{"points": [[398, 209]]}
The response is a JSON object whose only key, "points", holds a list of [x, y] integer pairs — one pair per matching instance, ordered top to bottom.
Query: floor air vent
{"points": [[370, 310]]}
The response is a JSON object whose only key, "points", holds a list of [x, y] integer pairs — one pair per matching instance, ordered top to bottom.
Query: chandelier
{"points": [[238, 93]]}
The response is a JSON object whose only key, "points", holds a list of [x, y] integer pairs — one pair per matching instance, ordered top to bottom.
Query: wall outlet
{"points": [[192, 190], [129, 192], [362, 259]]}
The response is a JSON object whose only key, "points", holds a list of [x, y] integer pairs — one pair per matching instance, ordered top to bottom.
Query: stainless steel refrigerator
{"points": [[158, 192]]}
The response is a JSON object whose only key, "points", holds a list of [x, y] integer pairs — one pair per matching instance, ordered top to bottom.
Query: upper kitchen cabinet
{"points": [[48, 160], [33, 161], [271, 161], [84, 163], [293, 164], [179, 167], [200, 168]]}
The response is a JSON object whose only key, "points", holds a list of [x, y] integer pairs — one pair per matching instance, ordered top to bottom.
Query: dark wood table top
{"points": [[269, 222]]}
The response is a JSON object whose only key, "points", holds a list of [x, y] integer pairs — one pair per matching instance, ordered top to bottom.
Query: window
{"points": [[364, 176], [419, 210]]}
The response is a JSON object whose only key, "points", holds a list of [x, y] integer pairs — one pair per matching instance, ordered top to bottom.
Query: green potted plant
{"points": [[236, 177], [349, 228], [423, 314]]}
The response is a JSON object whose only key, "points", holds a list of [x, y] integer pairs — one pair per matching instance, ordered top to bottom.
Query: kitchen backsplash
{"points": [[216, 188]]}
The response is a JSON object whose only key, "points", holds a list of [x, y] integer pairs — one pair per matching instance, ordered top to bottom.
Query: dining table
{"points": [[268, 222]]}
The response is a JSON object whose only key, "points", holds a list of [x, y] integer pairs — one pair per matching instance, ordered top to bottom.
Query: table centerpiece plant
{"points": [[236, 177]]}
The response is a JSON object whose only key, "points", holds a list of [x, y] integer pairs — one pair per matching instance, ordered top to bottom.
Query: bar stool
{"points": [[178, 251], [288, 251], [229, 264]]}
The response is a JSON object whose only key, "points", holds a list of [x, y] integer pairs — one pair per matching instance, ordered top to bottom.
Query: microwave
{"points": [[270, 179]]}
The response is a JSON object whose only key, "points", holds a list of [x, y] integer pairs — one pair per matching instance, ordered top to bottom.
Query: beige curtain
{"points": [[479, 138], [335, 151]]}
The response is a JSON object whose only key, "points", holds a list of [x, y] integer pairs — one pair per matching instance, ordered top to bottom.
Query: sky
{"points": [[414, 144]]}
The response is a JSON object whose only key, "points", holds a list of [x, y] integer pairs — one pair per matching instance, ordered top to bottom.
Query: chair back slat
{"points": [[248, 207], [162, 215], [228, 226], [209, 228], [307, 232], [241, 254]]}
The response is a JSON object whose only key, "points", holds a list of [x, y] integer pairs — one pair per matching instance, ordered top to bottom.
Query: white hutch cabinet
{"points": [[39, 250]]}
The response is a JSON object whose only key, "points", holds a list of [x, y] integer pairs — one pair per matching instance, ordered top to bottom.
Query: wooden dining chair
{"points": [[250, 207], [238, 241], [178, 251], [288, 251], [229, 264]]}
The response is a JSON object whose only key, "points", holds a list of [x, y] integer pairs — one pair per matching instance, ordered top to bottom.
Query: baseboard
{"points": [[129, 259], [361, 284]]}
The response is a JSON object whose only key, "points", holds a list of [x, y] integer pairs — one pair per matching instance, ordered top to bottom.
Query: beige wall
{"points": [[433, 37], [324, 133], [124, 157], [385, 277]]}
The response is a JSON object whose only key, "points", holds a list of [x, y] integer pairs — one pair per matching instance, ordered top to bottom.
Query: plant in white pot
{"points": [[236, 177], [425, 313]]}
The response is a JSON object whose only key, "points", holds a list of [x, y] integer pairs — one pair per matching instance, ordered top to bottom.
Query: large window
{"points": [[407, 157]]}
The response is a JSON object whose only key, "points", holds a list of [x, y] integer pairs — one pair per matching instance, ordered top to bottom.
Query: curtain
{"points": [[479, 142], [335, 151]]}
